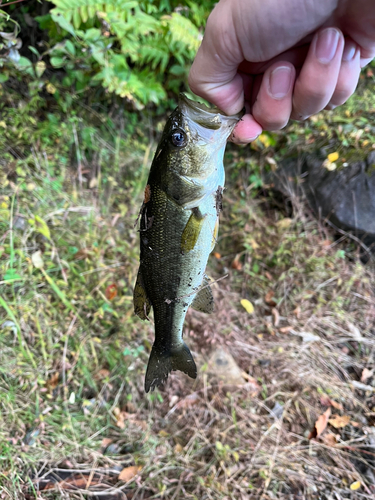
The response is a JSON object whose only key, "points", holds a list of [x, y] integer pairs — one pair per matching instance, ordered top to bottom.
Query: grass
{"points": [[73, 356]]}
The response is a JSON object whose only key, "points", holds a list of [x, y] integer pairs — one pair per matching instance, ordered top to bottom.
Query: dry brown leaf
{"points": [[326, 243], [236, 264], [268, 298], [297, 312], [276, 317], [285, 329], [103, 373], [366, 374], [53, 381], [190, 400], [327, 401], [121, 416], [339, 421], [320, 424], [329, 439], [106, 442], [178, 448], [129, 473], [81, 481]]}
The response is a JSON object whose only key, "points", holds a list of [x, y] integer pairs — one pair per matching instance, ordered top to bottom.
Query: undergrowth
{"points": [[73, 413]]}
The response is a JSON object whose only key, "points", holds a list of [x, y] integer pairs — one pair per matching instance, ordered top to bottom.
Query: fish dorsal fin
{"points": [[204, 300], [142, 304]]}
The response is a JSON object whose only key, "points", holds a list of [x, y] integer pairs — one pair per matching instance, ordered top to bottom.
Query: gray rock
{"points": [[345, 196]]}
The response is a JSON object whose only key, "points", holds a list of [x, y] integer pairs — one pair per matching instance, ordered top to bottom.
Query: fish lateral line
{"points": [[170, 301]]}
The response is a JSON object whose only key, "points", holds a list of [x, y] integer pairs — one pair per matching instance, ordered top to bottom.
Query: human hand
{"points": [[282, 60]]}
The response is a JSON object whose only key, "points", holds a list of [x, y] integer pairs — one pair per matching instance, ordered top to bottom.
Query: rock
{"points": [[344, 196], [222, 367]]}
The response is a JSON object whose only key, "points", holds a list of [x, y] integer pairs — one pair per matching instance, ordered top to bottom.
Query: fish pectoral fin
{"points": [[186, 191], [192, 231], [204, 300], [142, 304], [162, 361]]}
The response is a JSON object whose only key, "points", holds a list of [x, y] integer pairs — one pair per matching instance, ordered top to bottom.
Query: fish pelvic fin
{"points": [[163, 361]]}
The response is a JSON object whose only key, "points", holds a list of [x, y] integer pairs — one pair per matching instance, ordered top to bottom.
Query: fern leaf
{"points": [[84, 13], [183, 31]]}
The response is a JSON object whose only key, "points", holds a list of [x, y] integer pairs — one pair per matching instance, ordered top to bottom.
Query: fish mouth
{"points": [[209, 118]]}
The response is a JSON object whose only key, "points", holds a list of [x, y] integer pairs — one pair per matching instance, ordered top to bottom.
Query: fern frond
{"points": [[183, 31], [154, 54]]}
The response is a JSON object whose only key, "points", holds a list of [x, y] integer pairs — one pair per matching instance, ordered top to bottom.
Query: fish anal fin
{"points": [[204, 300], [142, 304], [163, 361]]}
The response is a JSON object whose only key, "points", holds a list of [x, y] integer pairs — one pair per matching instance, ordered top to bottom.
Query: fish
{"points": [[178, 230]]}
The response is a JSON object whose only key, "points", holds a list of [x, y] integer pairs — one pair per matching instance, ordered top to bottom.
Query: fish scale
{"points": [[178, 229]]}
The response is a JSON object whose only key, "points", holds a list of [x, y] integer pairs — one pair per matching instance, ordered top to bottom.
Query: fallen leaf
{"points": [[333, 156], [329, 165], [284, 223], [42, 227], [326, 243], [254, 244], [84, 253], [37, 259], [236, 264], [268, 276], [111, 291], [268, 298], [247, 305], [297, 312], [276, 317], [285, 329], [356, 334], [103, 373], [366, 373], [53, 381], [190, 400], [327, 401], [120, 417], [338, 421], [320, 424], [329, 439], [106, 442], [178, 448], [129, 473], [355, 486]]}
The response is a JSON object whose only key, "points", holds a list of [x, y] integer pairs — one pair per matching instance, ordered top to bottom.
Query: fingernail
{"points": [[326, 45], [349, 51], [280, 80], [243, 142]]}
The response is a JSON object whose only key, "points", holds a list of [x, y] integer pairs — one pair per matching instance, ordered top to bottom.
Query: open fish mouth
{"points": [[208, 118]]}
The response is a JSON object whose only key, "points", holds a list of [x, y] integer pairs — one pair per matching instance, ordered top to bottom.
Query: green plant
{"points": [[137, 50]]}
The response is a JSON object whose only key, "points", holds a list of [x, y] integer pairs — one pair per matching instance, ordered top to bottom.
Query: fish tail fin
{"points": [[162, 362]]}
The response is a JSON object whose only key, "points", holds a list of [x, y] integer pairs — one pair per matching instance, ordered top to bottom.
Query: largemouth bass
{"points": [[178, 230]]}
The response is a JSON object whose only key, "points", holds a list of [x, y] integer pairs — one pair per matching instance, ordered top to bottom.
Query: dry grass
{"points": [[73, 413]]}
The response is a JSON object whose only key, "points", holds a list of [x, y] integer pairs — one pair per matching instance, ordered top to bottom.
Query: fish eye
{"points": [[179, 138]]}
